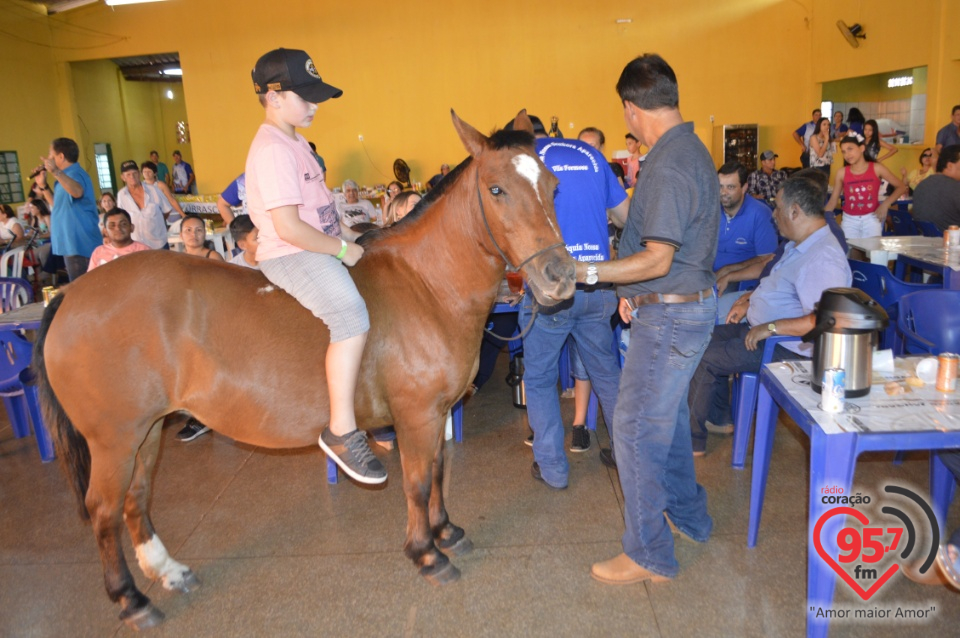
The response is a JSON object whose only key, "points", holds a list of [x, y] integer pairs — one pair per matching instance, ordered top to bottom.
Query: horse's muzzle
{"points": [[556, 281]]}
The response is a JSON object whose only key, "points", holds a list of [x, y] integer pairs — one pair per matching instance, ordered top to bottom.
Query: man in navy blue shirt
{"points": [[586, 192], [746, 225]]}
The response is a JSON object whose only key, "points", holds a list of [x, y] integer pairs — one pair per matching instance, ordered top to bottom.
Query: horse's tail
{"points": [[71, 447]]}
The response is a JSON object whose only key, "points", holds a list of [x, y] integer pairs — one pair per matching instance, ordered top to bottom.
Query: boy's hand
{"points": [[354, 253]]}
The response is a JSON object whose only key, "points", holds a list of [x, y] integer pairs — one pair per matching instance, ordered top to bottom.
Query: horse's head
{"points": [[515, 192]]}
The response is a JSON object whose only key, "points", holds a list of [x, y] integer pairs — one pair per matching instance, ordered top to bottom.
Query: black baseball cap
{"points": [[291, 70], [768, 155], [129, 165]]}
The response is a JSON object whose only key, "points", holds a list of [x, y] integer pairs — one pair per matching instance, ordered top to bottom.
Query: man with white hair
{"points": [[354, 210]]}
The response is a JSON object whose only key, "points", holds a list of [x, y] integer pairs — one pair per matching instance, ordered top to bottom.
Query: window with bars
{"points": [[103, 159], [11, 184]]}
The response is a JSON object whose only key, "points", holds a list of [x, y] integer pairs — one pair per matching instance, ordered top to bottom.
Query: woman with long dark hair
{"points": [[855, 120], [874, 144], [821, 150]]}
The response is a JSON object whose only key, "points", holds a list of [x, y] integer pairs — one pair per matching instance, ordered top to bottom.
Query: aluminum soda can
{"points": [[951, 236], [48, 294], [947, 372], [832, 390]]}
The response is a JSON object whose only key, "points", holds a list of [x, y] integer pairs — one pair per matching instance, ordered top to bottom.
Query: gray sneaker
{"points": [[352, 454]]}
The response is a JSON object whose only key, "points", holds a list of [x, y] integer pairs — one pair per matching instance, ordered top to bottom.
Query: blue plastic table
{"points": [[833, 458]]}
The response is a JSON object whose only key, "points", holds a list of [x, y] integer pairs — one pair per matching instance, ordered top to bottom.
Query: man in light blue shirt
{"points": [[74, 223], [782, 304]]}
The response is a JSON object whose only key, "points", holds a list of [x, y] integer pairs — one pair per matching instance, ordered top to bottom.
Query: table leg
{"points": [[951, 279], [767, 411], [832, 461], [942, 486]]}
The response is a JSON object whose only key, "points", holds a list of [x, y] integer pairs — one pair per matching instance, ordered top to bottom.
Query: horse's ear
{"points": [[522, 122], [473, 140]]}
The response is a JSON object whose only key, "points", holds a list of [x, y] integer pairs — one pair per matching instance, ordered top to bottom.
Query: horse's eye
{"points": [[495, 190]]}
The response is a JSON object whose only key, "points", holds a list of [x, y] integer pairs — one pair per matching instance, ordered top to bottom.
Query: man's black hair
{"points": [[649, 83]]}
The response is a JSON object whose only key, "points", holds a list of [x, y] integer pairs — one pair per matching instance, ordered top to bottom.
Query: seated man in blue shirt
{"points": [[746, 228], [781, 305]]}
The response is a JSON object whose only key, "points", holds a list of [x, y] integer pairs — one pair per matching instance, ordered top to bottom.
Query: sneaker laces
{"points": [[357, 444]]}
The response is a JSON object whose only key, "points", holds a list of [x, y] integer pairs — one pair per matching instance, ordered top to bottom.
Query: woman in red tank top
{"points": [[863, 213]]}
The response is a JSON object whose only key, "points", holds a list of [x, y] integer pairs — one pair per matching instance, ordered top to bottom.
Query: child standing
{"points": [[863, 214], [301, 242]]}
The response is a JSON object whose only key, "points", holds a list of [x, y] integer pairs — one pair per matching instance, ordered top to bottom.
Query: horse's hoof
{"points": [[461, 547], [443, 575], [188, 582], [145, 618]]}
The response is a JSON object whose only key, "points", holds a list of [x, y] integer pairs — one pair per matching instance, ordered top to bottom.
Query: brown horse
{"points": [[167, 325]]}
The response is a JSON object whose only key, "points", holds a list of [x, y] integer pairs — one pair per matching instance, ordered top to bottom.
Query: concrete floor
{"points": [[282, 553]]}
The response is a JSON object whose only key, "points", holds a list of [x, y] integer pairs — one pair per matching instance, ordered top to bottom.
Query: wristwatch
{"points": [[592, 275], [772, 328]]}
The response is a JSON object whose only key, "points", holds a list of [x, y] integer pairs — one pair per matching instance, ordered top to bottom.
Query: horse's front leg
{"points": [[418, 441], [451, 540]]}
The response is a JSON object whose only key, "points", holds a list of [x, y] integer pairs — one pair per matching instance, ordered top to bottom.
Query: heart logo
{"points": [[854, 585]]}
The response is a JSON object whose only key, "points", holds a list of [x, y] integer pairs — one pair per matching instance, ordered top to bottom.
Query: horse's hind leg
{"points": [[418, 445], [110, 473], [451, 540], [152, 556]]}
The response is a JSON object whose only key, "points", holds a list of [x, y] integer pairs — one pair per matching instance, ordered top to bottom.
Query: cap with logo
{"points": [[291, 70], [768, 155], [129, 165]]}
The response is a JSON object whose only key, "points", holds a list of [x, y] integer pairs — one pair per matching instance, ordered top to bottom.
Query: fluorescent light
{"points": [[115, 3], [66, 6], [172, 72], [906, 80], [169, 94]]}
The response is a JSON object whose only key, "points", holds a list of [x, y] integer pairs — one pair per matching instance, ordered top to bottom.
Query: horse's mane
{"points": [[498, 140]]}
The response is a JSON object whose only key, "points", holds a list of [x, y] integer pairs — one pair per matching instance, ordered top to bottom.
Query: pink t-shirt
{"points": [[283, 172], [106, 253]]}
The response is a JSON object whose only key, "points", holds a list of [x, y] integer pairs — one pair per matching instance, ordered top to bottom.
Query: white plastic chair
{"points": [[11, 262]]}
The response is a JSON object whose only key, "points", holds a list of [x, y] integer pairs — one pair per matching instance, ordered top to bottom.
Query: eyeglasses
{"points": [[927, 155]]}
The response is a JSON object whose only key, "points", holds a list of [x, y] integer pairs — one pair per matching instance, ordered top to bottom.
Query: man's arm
{"points": [[799, 139], [73, 188], [225, 212], [618, 214], [652, 263], [743, 271], [796, 327]]}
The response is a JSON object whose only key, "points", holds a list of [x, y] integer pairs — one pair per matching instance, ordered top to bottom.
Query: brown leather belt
{"points": [[656, 297]]}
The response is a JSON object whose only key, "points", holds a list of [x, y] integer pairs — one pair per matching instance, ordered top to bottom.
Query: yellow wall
{"points": [[899, 36], [403, 68], [29, 111], [133, 117]]}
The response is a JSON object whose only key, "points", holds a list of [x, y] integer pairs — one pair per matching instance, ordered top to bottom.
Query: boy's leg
{"points": [[343, 369]]}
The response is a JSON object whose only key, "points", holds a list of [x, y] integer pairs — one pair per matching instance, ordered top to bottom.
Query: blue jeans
{"points": [[587, 318], [726, 355], [652, 431]]}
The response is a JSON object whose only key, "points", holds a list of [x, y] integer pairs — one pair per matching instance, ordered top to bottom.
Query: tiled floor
{"points": [[281, 553]]}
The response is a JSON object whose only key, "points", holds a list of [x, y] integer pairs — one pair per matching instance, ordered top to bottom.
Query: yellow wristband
{"points": [[343, 250]]}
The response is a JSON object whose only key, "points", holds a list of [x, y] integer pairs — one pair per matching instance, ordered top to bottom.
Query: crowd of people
{"points": [[710, 263]]}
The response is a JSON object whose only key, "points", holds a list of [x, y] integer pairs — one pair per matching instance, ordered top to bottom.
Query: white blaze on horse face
{"points": [[529, 169], [155, 563]]}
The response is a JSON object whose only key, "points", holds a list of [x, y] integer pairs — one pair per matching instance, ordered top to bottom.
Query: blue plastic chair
{"points": [[902, 223], [928, 229], [878, 282], [14, 292], [929, 322], [745, 389]]}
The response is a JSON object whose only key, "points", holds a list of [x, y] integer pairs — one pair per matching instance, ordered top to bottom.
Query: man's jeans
{"points": [[76, 265], [587, 318], [726, 354], [652, 431]]}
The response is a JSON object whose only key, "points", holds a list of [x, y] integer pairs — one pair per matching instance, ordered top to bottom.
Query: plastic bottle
{"points": [[378, 216]]}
